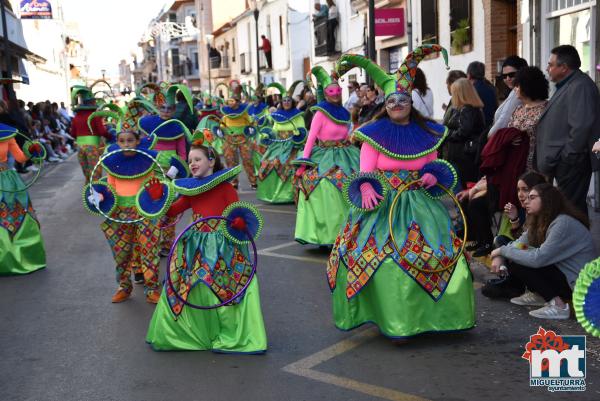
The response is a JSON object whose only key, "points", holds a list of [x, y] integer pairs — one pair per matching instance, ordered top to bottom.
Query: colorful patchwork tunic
{"points": [[330, 158], [276, 172], [21, 244], [208, 268], [414, 286]]}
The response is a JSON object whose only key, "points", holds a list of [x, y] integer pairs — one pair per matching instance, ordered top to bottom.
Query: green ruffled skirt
{"points": [[275, 174], [322, 209], [21, 244], [408, 291], [235, 328]]}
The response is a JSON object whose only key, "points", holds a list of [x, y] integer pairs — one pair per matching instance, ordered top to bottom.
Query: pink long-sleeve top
{"points": [[324, 129], [178, 145], [11, 146], [371, 160]]}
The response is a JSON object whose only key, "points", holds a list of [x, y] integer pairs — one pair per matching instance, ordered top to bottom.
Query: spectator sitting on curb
{"points": [[548, 257]]}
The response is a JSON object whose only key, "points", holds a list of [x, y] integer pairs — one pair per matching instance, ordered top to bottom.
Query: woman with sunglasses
{"points": [[510, 67], [531, 87], [287, 136], [327, 160], [549, 255], [398, 264]]}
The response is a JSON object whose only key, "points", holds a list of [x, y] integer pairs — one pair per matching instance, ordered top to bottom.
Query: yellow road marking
{"points": [[304, 367]]}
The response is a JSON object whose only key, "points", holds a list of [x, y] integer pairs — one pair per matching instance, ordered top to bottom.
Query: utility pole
{"points": [[371, 43]]}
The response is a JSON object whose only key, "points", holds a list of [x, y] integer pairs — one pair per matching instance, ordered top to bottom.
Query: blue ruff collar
{"points": [[256, 110], [231, 113], [337, 114], [283, 116], [170, 131], [7, 132], [402, 142], [131, 167], [195, 186]]}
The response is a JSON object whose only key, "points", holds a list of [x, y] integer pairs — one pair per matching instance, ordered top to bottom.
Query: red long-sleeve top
{"points": [[79, 125], [210, 203]]}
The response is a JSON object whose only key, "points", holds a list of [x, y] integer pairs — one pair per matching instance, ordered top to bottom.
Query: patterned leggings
{"points": [[230, 152], [88, 156], [167, 234], [130, 241]]}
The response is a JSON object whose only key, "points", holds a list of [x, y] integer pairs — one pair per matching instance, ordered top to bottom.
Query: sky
{"points": [[111, 29]]}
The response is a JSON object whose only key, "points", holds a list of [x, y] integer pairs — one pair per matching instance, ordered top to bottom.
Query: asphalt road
{"points": [[62, 339]]}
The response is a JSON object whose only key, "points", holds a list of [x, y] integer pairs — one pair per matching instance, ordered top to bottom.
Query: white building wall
{"points": [[434, 69], [49, 80]]}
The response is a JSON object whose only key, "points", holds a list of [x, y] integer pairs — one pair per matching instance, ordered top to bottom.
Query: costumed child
{"points": [[210, 120], [235, 120], [87, 132], [288, 134], [169, 137], [327, 160], [127, 170], [21, 244], [397, 262], [210, 263]]}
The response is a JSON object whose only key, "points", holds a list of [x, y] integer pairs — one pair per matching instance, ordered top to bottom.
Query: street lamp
{"points": [[256, 13], [209, 39], [103, 72]]}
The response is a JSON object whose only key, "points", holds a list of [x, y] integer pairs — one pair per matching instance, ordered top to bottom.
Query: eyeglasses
{"points": [[509, 75], [286, 100], [397, 100], [532, 196]]}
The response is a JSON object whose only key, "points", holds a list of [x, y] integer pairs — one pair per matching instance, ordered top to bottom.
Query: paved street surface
{"points": [[62, 339]]}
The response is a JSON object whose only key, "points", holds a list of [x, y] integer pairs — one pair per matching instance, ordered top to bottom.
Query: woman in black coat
{"points": [[465, 124]]}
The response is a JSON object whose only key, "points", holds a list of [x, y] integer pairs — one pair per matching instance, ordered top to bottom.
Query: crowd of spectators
{"points": [[44, 121]]}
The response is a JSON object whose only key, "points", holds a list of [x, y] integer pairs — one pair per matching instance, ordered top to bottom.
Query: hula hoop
{"points": [[100, 161], [39, 162], [462, 213], [236, 296]]}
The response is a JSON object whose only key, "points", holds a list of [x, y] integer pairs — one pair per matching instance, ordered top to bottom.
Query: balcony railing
{"points": [[321, 37]]}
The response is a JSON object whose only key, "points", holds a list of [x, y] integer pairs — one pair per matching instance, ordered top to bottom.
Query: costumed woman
{"points": [[259, 112], [234, 122], [288, 134], [87, 136], [169, 138], [327, 160], [127, 171], [21, 244], [209, 264], [414, 278]]}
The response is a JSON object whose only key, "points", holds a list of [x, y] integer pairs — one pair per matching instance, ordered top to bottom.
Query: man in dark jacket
{"points": [[485, 90], [569, 126]]}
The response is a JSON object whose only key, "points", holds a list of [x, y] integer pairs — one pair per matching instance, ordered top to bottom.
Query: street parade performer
{"points": [[259, 112], [235, 119], [288, 134], [87, 136], [169, 137], [327, 160], [127, 170], [21, 244], [397, 262], [209, 263]]}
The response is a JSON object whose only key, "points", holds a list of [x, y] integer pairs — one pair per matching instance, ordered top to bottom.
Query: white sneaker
{"points": [[53, 159], [32, 168], [528, 298], [552, 311]]}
